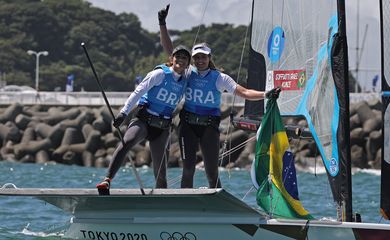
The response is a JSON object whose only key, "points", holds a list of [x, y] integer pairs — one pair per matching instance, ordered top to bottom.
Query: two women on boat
{"points": [[158, 95], [156, 98], [201, 115]]}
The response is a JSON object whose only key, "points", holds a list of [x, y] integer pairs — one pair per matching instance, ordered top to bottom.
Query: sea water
{"points": [[30, 218]]}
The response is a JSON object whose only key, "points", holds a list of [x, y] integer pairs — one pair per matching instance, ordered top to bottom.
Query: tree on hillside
{"points": [[115, 43], [119, 48]]}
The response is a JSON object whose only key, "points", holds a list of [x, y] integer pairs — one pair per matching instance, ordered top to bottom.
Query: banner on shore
{"points": [[69, 83]]}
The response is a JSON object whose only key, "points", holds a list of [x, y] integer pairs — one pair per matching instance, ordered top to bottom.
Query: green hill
{"points": [[119, 48]]}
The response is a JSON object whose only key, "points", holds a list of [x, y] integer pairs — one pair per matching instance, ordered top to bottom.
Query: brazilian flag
{"points": [[274, 168]]}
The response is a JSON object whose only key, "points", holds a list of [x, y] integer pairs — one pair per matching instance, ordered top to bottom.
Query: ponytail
{"points": [[212, 64]]}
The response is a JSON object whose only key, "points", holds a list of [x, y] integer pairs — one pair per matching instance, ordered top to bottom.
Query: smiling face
{"points": [[180, 61], [201, 61]]}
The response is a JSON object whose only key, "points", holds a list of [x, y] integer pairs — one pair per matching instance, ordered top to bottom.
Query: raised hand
{"points": [[162, 15]]}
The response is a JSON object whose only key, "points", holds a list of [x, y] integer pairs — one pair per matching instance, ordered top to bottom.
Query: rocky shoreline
{"points": [[85, 136]]}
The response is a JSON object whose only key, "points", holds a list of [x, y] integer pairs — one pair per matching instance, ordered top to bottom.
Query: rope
{"points": [[201, 22], [232, 106], [236, 148], [164, 160], [176, 179], [9, 185], [249, 191]]}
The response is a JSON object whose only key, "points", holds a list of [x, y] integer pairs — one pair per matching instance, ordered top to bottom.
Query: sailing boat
{"points": [[298, 45], [306, 55]]}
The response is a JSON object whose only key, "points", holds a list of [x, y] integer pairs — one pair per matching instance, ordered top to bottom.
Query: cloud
{"points": [[183, 15]]}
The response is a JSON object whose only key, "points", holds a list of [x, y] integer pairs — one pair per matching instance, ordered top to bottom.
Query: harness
{"points": [[163, 98], [195, 119], [152, 120]]}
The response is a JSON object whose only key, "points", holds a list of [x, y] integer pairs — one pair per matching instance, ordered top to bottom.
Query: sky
{"points": [[238, 12]]}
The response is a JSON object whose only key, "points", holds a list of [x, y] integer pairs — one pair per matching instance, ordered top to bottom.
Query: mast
{"points": [[384, 6], [357, 46], [256, 77], [344, 129]]}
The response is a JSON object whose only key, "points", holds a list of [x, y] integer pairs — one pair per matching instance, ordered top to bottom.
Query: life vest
{"points": [[202, 95], [163, 98]]}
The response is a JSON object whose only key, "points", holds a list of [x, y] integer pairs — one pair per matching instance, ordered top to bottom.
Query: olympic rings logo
{"points": [[177, 236]]}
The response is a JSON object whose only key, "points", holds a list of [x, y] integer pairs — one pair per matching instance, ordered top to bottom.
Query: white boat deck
{"points": [[156, 206], [200, 213]]}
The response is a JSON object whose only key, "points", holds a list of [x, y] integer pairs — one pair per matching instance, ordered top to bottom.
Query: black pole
{"points": [[113, 117], [346, 194]]}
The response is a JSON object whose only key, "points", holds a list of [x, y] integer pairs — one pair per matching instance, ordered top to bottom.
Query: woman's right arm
{"points": [[165, 39]]}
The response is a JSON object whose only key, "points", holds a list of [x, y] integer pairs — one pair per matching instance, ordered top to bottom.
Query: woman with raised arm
{"points": [[156, 98], [201, 115]]}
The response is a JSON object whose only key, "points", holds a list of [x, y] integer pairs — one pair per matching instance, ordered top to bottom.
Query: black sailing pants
{"points": [[138, 131], [207, 137]]}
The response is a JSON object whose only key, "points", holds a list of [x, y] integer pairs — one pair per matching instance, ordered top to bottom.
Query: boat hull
{"points": [[184, 214], [269, 230]]}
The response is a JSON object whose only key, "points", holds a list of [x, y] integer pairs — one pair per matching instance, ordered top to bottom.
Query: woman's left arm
{"points": [[225, 82], [249, 94]]}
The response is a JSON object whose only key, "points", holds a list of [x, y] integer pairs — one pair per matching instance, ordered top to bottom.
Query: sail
{"points": [[303, 46], [385, 164], [274, 168]]}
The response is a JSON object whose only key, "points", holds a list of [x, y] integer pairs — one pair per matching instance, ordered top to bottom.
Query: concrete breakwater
{"points": [[85, 136]]}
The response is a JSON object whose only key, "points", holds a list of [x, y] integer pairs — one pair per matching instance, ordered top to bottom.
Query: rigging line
{"points": [[201, 22], [241, 60], [234, 98], [291, 100], [224, 145], [241, 145], [236, 148], [165, 155], [315, 161], [174, 180], [249, 191], [380, 219]]}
